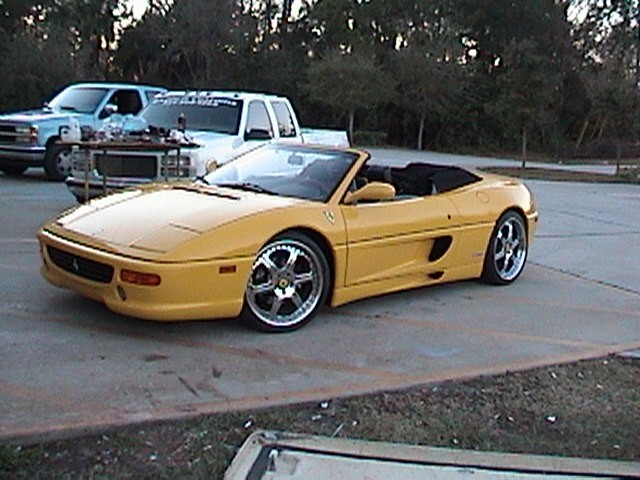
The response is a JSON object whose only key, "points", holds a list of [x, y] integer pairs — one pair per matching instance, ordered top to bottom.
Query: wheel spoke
{"points": [[509, 227], [507, 259], [290, 265], [271, 267], [301, 278], [261, 288], [297, 300], [275, 308]]}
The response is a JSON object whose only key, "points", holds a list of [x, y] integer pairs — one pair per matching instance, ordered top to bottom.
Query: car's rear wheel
{"points": [[57, 162], [13, 170], [507, 251], [289, 282]]}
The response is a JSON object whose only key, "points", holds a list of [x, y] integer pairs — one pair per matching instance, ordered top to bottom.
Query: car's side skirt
{"points": [[356, 292]]}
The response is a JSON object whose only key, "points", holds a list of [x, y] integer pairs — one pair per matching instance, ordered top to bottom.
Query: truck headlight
{"points": [[27, 134], [211, 165], [180, 166]]}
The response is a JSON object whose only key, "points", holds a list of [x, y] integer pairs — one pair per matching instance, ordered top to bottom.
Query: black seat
{"points": [[379, 173]]}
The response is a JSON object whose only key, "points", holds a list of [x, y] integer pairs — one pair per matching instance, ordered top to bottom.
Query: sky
{"points": [[139, 6]]}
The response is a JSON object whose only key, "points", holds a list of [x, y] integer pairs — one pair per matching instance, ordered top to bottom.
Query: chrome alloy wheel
{"points": [[509, 248], [287, 284]]}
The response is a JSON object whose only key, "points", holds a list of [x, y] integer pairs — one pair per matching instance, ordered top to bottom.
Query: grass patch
{"points": [[628, 175]]}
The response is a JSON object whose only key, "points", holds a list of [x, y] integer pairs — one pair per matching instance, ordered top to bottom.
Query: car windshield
{"points": [[78, 99], [201, 112], [290, 171]]}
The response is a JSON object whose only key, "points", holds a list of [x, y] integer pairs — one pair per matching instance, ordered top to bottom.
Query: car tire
{"points": [[57, 162], [13, 171], [507, 250], [288, 284]]}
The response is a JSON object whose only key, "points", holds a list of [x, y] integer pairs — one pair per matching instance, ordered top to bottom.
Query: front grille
{"points": [[8, 134], [123, 165], [83, 267]]}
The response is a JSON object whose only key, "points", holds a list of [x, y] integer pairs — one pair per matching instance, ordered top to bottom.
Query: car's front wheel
{"points": [[57, 162], [507, 250], [289, 282]]}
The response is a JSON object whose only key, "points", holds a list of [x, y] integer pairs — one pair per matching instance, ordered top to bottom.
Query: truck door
{"points": [[123, 102]]}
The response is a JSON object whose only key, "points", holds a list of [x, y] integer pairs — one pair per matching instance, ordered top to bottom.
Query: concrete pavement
{"points": [[68, 365]]}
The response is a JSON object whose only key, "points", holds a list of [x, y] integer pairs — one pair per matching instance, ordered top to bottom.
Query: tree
{"points": [[91, 28], [609, 31], [191, 45], [521, 53], [35, 70], [430, 79], [348, 83], [528, 93]]}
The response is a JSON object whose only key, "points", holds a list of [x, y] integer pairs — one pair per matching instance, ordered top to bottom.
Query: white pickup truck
{"points": [[184, 134]]}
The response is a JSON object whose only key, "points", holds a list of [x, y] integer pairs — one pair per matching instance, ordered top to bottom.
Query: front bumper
{"points": [[31, 156], [194, 290]]}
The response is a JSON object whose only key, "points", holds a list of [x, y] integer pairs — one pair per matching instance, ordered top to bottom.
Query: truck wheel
{"points": [[57, 162], [11, 170]]}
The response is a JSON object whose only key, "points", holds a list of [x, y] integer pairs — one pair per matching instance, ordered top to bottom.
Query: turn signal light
{"points": [[139, 278]]}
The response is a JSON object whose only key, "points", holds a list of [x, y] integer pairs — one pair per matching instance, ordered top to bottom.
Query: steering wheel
{"points": [[316, 184]]}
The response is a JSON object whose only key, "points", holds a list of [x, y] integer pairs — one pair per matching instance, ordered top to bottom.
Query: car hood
{"points": [[32, 116], [156, 220]]}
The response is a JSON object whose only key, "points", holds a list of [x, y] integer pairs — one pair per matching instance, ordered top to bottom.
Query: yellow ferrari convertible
{"points": [[283, 230]]}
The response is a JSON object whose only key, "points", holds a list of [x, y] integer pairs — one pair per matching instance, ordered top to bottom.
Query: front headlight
{"points": [[27, 134], [211, 165], [175, 166]]}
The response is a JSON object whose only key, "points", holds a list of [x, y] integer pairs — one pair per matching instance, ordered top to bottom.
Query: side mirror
{"points": [[108, 110], [257, 134], [371, 192]]}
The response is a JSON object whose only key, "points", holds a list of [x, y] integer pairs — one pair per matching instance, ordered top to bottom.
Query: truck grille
{"points": [[8, 134], [125, 165], [83, 267]]}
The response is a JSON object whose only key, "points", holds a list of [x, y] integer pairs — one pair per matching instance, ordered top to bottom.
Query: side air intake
{"points": [[440, 247]]}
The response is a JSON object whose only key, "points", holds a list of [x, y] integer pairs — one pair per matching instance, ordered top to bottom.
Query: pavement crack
{"points": [[588, 279], [188, 386]]}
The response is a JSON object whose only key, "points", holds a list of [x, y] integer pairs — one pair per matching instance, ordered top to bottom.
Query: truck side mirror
{"points": [[108, 110], [257, 134]]}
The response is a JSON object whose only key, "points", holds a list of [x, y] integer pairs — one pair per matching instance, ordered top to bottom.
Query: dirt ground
{"points": [[587, 409]]}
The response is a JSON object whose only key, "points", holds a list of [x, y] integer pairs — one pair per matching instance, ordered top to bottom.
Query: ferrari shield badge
{"points": [[329, 215]]}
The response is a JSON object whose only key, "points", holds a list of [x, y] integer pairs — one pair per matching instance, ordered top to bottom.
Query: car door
{"points": [[394, 238]]}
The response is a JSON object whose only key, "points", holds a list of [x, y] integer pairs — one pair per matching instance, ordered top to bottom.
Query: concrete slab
{"points": [[69, 366], [277, 455]]}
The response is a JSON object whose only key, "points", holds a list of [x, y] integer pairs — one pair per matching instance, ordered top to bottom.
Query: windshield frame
{"points": [[294, 171]]}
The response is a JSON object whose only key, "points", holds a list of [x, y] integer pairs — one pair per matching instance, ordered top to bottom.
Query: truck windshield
{"points": [[78, 99], [211, 114]]}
